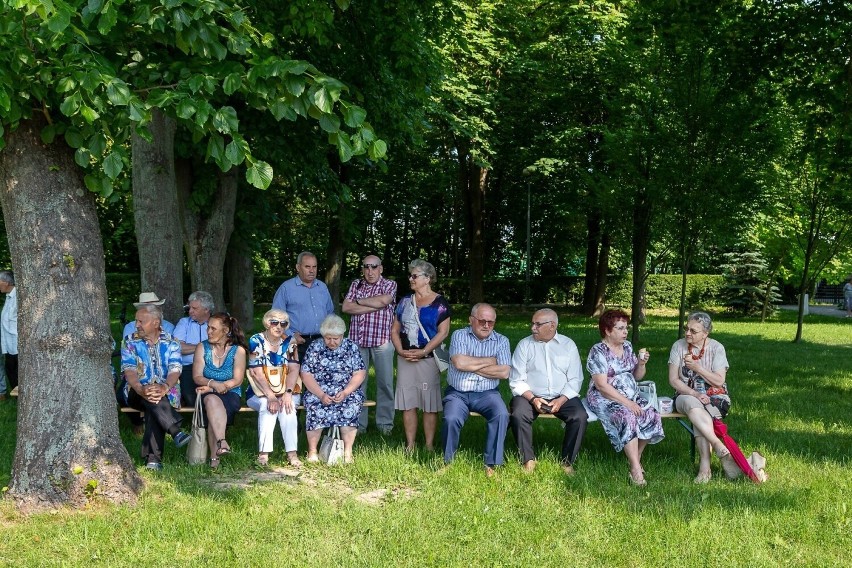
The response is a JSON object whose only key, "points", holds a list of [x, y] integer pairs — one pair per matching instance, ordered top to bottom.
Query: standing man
{"points": [[306, 300], [370, 302], [9, 328], [189, 332], [479, 359], [150, 361], [546, 379]]}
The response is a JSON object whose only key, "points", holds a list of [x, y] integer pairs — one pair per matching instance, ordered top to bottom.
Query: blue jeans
{"points": [[457, 407]]}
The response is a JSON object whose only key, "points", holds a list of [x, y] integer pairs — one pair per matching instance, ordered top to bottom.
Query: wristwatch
{"points": [[357, 302], [289, 391]]}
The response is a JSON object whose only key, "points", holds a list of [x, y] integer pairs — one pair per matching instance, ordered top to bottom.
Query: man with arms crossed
{"points": [[306, 300], [370, 302], [479, 360], [546, 379]]}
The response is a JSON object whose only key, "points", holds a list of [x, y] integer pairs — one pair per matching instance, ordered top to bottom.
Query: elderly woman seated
{"points": [[218, 368], [697, 369], [332, 372], [627, 418]]}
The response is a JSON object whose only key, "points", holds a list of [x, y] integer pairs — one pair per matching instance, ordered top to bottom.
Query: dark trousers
{"points": [[302, 348], [11, 366], [187, 387], [457, 407], [522, 413], [135, 419], [159, 419]]}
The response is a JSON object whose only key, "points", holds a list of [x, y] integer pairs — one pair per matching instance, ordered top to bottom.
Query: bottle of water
{"points": [[700, 386]]}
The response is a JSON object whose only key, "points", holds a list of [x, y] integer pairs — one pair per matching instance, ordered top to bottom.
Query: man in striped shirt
{"points": [[370, 302], [479, 359]]}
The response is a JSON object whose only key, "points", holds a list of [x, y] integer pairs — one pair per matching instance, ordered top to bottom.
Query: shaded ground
{"points": [[819, 310]]}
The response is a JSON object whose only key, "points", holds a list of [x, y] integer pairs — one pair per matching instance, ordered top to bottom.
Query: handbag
{"points": [[440, 353], [275, 376], [648, 391], [331, 449], [196, 451]]}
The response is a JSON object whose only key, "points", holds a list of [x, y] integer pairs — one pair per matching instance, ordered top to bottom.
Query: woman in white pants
{"points": [[274, 386]]}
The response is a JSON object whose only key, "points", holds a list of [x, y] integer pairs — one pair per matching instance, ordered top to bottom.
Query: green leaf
{"points": [[342, 4], [108, 19], [60, 20], [232, 83], [65, 84], [295, 85], [117, 92], [322, 100], [5, 102], [70, 105], [186, 108], [281, 109], [138, 113], [90, 115], [354, 116], [225, 120], [330, 122], [48, 133], [73, 138], [97, 144], [216, 149], [344, 149], [378, 150], [234, 152], [83, 157], [113, 165], [259, 174], [98, 184]]}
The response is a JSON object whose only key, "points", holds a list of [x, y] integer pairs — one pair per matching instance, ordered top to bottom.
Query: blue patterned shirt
{"points": [[464, 342], [152, 363]]}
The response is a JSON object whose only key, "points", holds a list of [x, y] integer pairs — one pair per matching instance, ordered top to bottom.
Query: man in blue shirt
{"points": [[306, 300], [189, 332], [479, 359]]}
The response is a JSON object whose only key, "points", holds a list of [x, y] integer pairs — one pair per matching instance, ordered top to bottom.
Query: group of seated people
{"points": [[544, 376]]}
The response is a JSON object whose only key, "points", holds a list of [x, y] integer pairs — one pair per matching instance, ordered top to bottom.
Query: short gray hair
{"points": [[303, 254], [425, 268], [7, 276], [203, 298], [479, 306], [154, 311], [550, 313], [703, 318], [332, 325]]}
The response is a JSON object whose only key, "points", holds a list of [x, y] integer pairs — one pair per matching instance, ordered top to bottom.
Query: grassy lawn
{"points": [[790, 402]]}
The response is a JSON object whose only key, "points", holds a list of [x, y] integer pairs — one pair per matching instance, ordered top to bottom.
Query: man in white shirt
{"points": [[9, 327], [546, 379]]}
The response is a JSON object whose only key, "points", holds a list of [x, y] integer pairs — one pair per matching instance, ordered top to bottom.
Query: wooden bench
{"points": [[191, 409]]}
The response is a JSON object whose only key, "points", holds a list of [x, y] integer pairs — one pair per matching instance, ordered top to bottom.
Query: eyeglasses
{"points": [[366, 266], [414, 276], [485, 323], [284, 324], [538, 324], [621, 327], [687, 329]]}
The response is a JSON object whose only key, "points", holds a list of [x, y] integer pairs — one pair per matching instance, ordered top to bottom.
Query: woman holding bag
{"points": [[421, 324], [332, 372], [273, 373]]}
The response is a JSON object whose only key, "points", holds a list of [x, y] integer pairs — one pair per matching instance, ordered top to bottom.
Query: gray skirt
{"points": [[418, 385]]}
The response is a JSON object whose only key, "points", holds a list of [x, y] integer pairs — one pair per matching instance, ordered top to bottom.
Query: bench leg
{"points": [[688, 427]]}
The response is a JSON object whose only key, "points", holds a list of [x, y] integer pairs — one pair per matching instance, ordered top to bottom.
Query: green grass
{"points": [[790, 401]]}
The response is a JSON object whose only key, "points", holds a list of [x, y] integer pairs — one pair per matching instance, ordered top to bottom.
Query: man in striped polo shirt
{"points": [[370, 302], [479, 359]]}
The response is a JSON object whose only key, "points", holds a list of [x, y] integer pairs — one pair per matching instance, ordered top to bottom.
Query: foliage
{"points": [[747, 283]]}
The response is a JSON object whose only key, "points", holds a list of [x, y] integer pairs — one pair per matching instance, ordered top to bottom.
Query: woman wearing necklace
{"points": [[422, 322], [218, 369], [697, 369], [274, 390], [630, 422]]}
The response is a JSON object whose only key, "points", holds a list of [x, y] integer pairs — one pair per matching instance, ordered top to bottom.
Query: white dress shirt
{"points": [[547, 368]]}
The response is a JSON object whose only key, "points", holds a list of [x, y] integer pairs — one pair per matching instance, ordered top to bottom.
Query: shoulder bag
{"points": [[442, 356], [276, 377], [648, 391], [331, 449], [196, 451]]}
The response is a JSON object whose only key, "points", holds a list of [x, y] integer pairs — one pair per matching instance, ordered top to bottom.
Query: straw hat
{"points": [[146, 298]]}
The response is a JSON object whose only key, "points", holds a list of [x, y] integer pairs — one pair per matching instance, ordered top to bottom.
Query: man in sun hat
{"points": [[147, 298]]}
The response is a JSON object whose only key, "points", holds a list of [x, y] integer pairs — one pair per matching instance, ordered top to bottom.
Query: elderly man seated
{"points": [[479, 359], [150, 361]]}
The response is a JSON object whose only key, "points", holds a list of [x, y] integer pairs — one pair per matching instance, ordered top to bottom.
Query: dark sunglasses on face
{"points": [[366, 266], [283, 324]]}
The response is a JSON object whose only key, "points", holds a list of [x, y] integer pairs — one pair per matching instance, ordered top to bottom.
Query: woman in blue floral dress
{"points": [[332, 372], [627, 418]]}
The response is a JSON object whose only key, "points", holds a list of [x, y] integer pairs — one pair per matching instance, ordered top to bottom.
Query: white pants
{"points": [[266, 424]]}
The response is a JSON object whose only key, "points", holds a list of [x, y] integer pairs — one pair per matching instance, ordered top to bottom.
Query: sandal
{"points": [[220, 451], [313, 457], [348, 459], [263, 460], [294, 460], [214, 463], [702, 477], [637, 481]]}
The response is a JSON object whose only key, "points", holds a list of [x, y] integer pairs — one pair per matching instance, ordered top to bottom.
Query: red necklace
{"points": [[700, 353]]}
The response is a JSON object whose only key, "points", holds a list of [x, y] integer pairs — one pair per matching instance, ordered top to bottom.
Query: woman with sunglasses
{"points": [[422, 322], [698, 366], [274, 389]]}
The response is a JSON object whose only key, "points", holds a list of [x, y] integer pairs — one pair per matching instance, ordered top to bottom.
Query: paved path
{"points": [[819, 310]]}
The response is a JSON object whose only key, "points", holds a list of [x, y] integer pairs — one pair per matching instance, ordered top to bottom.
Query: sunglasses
{"points": [[366, 266], [414, 276], [485, 323], [284, 324]]}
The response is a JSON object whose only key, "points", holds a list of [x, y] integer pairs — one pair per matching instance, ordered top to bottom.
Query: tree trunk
{"points": [[155, 216], [475, 228], [206, 236], [593, 238], [641, 240], [334, 254], [684, 269], [603, 271], [240, 276], [68, 447]]}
